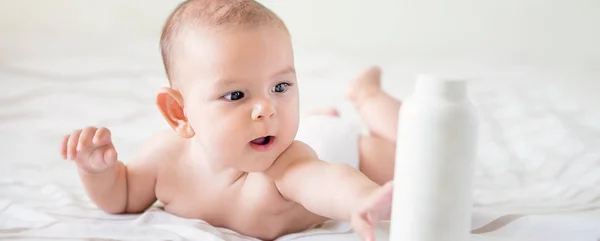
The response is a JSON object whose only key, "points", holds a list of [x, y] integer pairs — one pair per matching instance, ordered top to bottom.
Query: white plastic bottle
{"points": [[435, 154]]}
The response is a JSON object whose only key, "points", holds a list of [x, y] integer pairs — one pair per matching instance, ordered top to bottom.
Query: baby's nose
{"points": [[263, 109]]}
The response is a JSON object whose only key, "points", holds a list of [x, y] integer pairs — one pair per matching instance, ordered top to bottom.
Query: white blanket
{"points": [[537, 178]]}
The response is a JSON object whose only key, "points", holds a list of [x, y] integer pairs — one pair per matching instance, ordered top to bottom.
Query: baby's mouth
{"points": [[265, 140], [263, 144]]}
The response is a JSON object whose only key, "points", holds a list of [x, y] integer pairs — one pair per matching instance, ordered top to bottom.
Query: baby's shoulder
{"points": [[163, 146], [297, 151]]}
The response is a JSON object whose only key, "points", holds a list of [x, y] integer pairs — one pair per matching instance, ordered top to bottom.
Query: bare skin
{"points": [[379, 111], [210, 166]]}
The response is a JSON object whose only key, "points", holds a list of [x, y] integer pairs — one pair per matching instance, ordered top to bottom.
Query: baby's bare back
{"points": [[249, 203]]}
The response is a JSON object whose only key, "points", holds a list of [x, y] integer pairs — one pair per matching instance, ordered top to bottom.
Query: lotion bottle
{"points": [[435, 155]]}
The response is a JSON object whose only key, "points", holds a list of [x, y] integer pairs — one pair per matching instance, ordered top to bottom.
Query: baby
{"points": [[232, 157]]}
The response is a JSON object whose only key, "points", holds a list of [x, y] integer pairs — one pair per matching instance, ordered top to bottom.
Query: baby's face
{"points": [[240, 95]]}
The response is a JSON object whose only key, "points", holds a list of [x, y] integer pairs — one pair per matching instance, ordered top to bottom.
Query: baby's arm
{"points": [[111, 185], [333, 190]]}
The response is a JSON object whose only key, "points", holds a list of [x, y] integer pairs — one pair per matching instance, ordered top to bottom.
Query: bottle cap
{"points": [[448, 88]]}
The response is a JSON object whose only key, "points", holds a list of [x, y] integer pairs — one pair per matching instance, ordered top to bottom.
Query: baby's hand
{"points": [[91, 148], [375, 208]]}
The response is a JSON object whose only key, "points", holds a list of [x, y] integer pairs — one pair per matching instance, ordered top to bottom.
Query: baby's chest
{"points": [[260, 194], [198, 199], [197, 202]]}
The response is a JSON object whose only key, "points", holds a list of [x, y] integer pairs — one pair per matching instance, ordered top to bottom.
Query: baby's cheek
{"points": [[291, 118], [196, 119]]}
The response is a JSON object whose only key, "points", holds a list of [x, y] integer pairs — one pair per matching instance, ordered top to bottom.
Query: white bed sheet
{"points": [[537, 178]]}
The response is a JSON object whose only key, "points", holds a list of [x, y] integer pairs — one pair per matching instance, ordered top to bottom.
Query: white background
{"points": [[553, 31]]}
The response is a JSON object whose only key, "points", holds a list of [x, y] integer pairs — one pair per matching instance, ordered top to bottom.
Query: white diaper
{"points": [[334, 139]]}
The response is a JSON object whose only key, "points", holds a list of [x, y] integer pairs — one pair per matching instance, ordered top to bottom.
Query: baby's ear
{"points": [[170, 104]]}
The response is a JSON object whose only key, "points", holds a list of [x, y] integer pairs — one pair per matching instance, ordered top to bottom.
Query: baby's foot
{"points": [[365, 86], [327, 111]]}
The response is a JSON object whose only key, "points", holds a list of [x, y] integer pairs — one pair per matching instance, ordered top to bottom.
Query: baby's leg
{"points": [[377, 109], [376, 154], [377, 158]]}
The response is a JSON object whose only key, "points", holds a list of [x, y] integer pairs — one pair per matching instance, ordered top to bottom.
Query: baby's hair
{"points": [[212, 14]]}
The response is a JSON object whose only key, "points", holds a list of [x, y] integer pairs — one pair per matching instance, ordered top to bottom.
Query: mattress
{"points": [[537, 174]]}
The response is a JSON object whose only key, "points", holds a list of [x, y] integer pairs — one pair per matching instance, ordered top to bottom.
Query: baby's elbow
{"points": [[122, 208], [136, 208], [113, 209], [117, 210], [134, 211]]}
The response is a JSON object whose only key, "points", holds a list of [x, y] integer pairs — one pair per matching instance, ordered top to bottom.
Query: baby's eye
{"points": [[281, 87], [236, 95]]}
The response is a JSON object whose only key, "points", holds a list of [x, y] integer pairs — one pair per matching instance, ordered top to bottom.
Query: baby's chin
{"points": [[260, 160]]}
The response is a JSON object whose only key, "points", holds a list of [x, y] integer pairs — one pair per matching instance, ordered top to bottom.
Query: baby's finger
{"points": [[102, 136], [85, 138], [72, 145], [64, 147], [110, 156], [95, 162], [385, 194], [384, 201], [379, 206], [363, 229]]}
